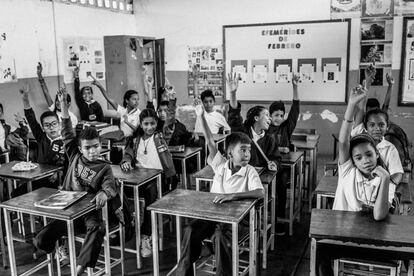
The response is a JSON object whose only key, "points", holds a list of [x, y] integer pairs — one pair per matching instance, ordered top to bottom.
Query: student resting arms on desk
{"points": [[55, 107], [89, 109], [86, 172], [234, 179], [363, 182]]}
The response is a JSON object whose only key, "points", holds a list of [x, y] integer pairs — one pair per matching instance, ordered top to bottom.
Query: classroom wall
{"points": [[195, 23], [33, 27]]}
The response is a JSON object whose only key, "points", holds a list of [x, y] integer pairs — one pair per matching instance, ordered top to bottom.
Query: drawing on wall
{"points": [[377, 7], [345, 9], [7, 62]]}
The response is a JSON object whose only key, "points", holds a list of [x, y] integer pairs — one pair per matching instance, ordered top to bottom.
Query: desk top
{"points": [[216, 137], [311, 144], [188, 151], [291, 157], [39, 172], [207, 172], [136, 176], [327, 185], [25, 204], [200, 205], [361, 228]]}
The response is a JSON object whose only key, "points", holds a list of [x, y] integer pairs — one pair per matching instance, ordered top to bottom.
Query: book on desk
{"points": [[179, 148], [60, 200]]}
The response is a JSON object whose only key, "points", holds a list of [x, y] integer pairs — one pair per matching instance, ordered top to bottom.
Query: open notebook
{"points": [[60, 199]]}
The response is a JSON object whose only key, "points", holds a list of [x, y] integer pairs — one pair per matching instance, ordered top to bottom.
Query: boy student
{"points": [[55, 107], [89, 109], [86, 172], [234, 179]]}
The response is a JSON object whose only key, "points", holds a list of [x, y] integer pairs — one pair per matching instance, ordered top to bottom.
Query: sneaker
{"points": [[280, 229], [146, 246], [62, 253]]}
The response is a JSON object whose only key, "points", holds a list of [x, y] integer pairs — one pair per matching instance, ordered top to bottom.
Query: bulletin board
{"points": [[264, 57], [406, 92]]}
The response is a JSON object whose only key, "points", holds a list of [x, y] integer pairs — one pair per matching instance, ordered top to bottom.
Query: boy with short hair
{"points": [[216, 121], [86, 172], [234, 179]]}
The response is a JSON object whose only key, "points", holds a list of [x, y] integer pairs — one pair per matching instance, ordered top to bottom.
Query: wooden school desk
{"points": [[312, 146], [183, 156], [290, 160], [268, 178], [135, 179], [326, 189], [25, 204], [199, 205], [394, 234]]}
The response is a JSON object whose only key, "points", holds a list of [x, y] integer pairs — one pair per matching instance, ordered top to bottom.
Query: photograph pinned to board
{"points": [[403, 7], [377, 8], [345, 9], [374, 30], [376, 54], [7, 62], [260, 69], [283, 70], [307, 70]]}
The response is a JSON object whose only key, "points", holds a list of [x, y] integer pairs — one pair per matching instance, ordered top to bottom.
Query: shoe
{"points": [[280, 229], [146, 246], [63, 254]]}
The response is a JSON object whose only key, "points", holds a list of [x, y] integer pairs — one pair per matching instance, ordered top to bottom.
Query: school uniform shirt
{"points": [[91, 111], [72, 116], [133, 118], [215, 121], [256, 137], [2, 138], [49, 151], [147, 154], [244, 180], [354, 189]]}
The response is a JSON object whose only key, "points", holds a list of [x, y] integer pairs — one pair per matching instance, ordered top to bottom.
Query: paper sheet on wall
{"points": [[87, 53], [7, 62], [240, 72], [330, 72], [260, 73], [283, 73], [307, 73]]}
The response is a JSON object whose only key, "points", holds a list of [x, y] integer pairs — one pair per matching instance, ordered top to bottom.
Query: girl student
{"points": [[89, 109], [129, 111], [148, 149], [363, 182]]}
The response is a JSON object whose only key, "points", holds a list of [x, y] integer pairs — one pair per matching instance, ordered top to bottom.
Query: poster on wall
{"points": [[403, 7], [377, 8], [345, 9], [376, 30], [88, 54], [379, 54], [7, 62], [209, 63], [331, 67], [260, 69], [307, 69], [283, 70], [406, 89]]}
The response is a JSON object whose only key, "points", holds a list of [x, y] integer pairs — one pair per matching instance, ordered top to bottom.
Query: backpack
{"points": [[397, 136]]}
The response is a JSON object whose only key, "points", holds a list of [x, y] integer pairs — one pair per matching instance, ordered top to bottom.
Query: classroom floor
{"points": [[290, 257]]}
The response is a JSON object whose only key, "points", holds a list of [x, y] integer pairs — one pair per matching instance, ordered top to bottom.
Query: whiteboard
{"points": [[264, 57]]}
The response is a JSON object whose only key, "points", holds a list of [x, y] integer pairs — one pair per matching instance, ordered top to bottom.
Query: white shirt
{"points": [[72, 116], [133, 118], [215, 120], [256, 136], [2, 137], [150, 159], [246, 179], [354, 189]]}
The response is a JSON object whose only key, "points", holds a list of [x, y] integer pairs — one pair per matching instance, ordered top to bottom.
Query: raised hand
{"points": [[39, 70], [76, 71], [369, 73], [295, 79], [390, 79], [232, 82], [24, 92], [62, 94], [357, 94], [19, 118]]}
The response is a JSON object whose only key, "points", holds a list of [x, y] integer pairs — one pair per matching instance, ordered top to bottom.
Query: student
{"points": [[55, 107], [89, 109], [129, 111], [216, 121], [256, 125], [50, 148], [148, 149], [86, 173], [234, 179], [363, 184]]}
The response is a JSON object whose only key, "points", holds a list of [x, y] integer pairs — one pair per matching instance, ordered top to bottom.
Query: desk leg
{"points": [[198, 161], [184, 173], [312, 177], [197, 184], [300, 186], [292, 199], [318, 201], [273, 214], [32, 222], [160, 223], [137, 226], [264, 227], [178, 228], [253, 242], [2, 245], [10, 245], [235, 247], [72, 248], [313, 258], [155, 259]]}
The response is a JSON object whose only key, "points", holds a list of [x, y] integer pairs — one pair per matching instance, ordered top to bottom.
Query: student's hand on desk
{"points": [[126, 166], [272, 166], [53, 178], [224, 198], [100, 199]]}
